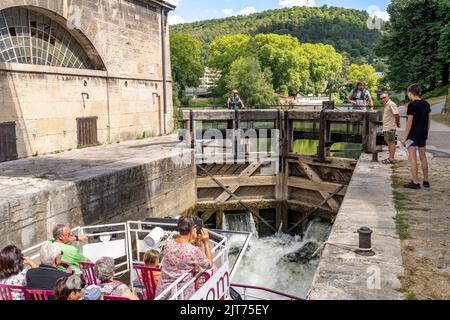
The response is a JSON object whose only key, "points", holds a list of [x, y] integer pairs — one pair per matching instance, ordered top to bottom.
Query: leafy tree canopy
{"points": [[344, 29], [417, 43], [187, 67], [364, 73], [246, 76]]}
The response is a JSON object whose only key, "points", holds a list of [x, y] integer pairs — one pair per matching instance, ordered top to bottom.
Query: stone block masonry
{"points": [[116, 183], [344, 275]]}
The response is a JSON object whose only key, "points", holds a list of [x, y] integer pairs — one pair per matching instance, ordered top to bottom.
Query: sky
{"points": [[197, 10]]}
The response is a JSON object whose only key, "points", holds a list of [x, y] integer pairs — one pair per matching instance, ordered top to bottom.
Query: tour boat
{"points": [[127, 242]]}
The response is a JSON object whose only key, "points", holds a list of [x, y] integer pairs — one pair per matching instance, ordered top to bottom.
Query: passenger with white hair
{"points": [[104, 271], [44, 277]]}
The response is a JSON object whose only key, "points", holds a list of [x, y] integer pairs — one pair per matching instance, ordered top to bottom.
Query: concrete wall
{"points": [[127, 96], [130, 189]]}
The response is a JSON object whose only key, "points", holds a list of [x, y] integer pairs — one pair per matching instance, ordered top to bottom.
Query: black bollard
{"points": [[365, 242]]}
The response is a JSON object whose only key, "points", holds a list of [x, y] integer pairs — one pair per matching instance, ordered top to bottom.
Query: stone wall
{"points": [[127, 97], [132, 187]]}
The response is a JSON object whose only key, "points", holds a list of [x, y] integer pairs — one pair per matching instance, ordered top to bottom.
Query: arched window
{"points": [[30, 37]]}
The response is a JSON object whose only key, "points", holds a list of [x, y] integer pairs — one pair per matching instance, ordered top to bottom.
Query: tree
{"points": [[344, 29], [417, 43], [224, 50], [283, 56], [325, 66], [187, 67], [364, 73], [246, 76], [447, 104]]}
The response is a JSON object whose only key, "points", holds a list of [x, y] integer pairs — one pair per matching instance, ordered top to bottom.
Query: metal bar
{"points": [[240, 257], [267, 290]]}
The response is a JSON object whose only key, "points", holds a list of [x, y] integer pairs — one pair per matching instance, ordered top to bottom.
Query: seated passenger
{"points": [[62, 235], [198, 242], [180, 257], [151, 260], [12, 270], [104, 271], [44, 277], [68, 288], [93, 292]]}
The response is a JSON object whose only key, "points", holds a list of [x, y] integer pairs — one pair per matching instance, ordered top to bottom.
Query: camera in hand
{"points": [[198, 224]]}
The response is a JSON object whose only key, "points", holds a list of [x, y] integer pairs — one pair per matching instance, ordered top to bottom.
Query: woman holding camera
{"points": [[180, 257]]}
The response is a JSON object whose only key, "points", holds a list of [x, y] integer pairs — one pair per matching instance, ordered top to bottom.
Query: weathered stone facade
{"points": [[126, 92], [114, 183]]}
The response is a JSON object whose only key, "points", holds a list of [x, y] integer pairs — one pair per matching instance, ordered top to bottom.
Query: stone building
{"points": [[76, 73]]}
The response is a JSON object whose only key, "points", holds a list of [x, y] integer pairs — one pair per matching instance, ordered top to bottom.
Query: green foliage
{"points": [[344, 29], [416, 42], [224, 50], [282, 54], [289, 66], [325, 66], [187, 67], [364, 73], [245, 75], [284, 90], [438, 92], [41, 177]]}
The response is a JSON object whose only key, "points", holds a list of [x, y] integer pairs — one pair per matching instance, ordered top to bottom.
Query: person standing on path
{"points": [[391, 121], [416, 135]]}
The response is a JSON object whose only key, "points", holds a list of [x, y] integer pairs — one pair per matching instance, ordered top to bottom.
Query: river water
{"points": [[280, 262]]}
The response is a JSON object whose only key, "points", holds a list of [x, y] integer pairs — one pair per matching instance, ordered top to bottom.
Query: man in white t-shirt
{"points": [[391, 121]]}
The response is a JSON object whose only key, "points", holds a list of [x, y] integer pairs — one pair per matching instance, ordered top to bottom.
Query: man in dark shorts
{"points": [[416, 135]]}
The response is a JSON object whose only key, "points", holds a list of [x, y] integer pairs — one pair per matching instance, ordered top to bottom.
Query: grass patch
{"points": [[438, 92], [443, 118], [41, 177], [402, 203], [402, 226], [407, 284]]}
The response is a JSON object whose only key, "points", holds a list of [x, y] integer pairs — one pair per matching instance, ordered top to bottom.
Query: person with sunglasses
{"points": [[391, 121], [62, 235]]}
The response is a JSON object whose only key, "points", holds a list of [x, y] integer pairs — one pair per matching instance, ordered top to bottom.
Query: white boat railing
{"points": [[124, 242]]}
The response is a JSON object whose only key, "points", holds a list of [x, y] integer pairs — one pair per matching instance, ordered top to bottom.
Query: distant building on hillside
{"points": [[207, 82]]}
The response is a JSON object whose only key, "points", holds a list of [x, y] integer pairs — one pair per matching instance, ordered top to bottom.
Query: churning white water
{"points": [[240, 222], [280, 262]]}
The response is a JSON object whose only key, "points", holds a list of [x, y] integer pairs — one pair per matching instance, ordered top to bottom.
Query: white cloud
{"points": [[174, 2], [297, 3], [247, 11], [375, 11], [228, 12], [244, 12], [175, 20]]}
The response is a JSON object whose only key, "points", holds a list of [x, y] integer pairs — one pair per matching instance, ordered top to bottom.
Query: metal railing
{"points": [[246, 295]]}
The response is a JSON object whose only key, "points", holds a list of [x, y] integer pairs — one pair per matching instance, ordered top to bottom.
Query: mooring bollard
{"points": [[365, 238], [365, 241]]}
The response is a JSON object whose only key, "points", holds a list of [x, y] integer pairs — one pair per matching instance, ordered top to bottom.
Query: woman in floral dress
{"points": [[180, 257]]}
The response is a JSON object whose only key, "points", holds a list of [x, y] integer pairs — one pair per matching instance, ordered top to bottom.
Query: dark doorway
{"points": [[87, 131], [8, 141]]}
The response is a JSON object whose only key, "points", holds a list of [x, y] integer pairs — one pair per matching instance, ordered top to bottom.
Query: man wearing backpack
{"points": [[360, 97], [234, 102]]}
